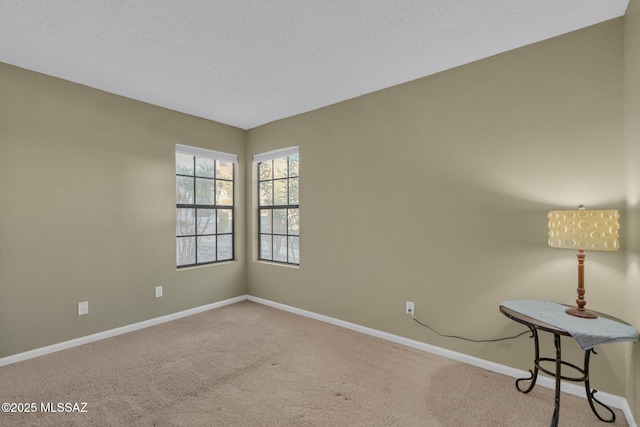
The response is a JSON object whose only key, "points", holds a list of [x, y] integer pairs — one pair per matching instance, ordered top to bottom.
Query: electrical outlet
{"points": [[158, 291], [83, 308], [409, 309]]}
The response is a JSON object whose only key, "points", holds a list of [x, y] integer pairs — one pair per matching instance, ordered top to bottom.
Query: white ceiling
{"points": [[250, 62]]}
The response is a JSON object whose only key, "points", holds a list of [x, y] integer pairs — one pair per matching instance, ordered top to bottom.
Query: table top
{"points": [[550, 316], [538, 324]]}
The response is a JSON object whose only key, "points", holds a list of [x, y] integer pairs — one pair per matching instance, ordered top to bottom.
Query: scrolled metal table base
{"points": [[557, 374]]}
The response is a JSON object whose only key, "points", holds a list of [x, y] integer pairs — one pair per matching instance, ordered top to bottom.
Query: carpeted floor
{"points": [[252, 365]]}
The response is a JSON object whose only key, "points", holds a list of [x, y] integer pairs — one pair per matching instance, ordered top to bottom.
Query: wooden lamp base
{"points": [[581, 312]]}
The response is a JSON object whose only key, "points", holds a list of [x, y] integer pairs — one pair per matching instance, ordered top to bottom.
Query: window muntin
{"points": [[204, 207], [279, 209]]}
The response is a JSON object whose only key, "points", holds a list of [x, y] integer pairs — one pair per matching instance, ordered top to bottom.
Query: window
{"points": [[204, 206], [279, 206]]}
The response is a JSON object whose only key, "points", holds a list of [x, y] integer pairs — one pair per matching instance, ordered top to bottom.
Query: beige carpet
{"points": [[251, 365]]}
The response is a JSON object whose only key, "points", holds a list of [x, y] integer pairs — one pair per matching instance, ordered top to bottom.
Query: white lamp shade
{"points": [[595, 230]]}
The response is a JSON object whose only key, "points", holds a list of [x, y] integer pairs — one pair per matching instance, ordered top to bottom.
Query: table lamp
{"points": [[583, 229]]}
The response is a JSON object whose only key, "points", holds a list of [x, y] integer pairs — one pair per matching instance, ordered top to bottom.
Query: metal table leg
{"points": [[537, 367], [534, 373], [558, 375], [590, 392]]}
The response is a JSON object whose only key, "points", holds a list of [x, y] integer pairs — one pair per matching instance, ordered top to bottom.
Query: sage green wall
{"points": [[437, 191], [87, 199], [632, 233]]}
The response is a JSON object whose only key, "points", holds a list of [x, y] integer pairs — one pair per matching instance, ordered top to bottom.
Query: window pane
{"points": [[184, 164], [294, 165], [205, 167], [280, 168], [224, 170], [265, 170], [184, 190], [205, 191], [280, 192], [294, 192], [224, 193], [266, 193], [279, 217], [206, 221], [225, 221], [265, 221], [279, 221], [294, 221], [185, 222], [204, 229], [225, 247], [265, 247], [280, 248], [206, 249], [185, 250], [294, 250]]}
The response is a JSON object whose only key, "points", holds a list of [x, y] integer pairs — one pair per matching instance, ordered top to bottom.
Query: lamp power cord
{"points": [[463, 338]]}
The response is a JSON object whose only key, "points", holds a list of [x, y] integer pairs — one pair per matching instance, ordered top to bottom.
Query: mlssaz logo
{"points": [[64, 407]]}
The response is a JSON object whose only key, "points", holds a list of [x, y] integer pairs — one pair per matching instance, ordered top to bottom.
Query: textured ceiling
{"points": [[250, 62]]}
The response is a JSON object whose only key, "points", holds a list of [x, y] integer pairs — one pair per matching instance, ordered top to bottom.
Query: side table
{"points": [[551, 317]]}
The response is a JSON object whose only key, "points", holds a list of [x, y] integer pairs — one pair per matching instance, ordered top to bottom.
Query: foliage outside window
{"points": [[204, 207], [279, 208]]}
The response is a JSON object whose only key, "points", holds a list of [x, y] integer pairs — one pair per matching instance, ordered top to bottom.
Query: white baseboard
{"points": [[114, 332], [574, 389], [606, 398]]}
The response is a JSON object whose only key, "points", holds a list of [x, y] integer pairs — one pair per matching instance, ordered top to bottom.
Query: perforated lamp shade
{"points": [[584, 230], [589, 230]]}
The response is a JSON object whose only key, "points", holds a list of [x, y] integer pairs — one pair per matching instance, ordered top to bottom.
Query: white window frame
{"points": [[278, 231], [195, 236]]}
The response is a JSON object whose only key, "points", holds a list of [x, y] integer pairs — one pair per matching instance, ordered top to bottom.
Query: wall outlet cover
{"points": [[83, 308], [409, 308]]}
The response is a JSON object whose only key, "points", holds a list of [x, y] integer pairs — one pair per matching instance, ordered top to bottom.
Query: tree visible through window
{"points": [[204, 206], [279, 208]]}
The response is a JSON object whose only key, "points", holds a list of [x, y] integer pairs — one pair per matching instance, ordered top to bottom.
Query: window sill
{"points": [[213, 264], [278, 264]]}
